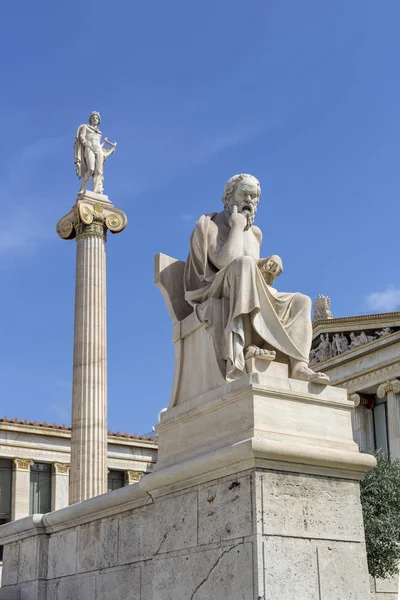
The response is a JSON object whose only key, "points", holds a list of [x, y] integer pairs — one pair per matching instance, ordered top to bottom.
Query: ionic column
{"points": [[88, 221], [391, 389], [361, 418], [132, 477], [59, 485], [20, 488]]}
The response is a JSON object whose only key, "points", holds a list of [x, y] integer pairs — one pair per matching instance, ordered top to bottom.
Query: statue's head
{"points": [[94, 118], [243, 191]]}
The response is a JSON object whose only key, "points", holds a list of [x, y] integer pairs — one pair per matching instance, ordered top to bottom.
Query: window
{"points": [[380, 425], [115, 480], [40, 488], [5, 489], [5, 494]]}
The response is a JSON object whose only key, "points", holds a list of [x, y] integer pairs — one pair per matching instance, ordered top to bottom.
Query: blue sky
{"points": [[304, 95]]}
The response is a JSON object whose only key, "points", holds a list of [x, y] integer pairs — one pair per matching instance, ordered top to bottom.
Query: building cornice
{"points": [[325, 324], [372, 376], [36, 428]]}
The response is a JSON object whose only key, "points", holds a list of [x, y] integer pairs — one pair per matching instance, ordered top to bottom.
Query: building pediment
{"points": [[346, 338]]}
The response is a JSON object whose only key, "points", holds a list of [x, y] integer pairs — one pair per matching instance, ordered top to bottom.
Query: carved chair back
{"points": [[168, 277]]}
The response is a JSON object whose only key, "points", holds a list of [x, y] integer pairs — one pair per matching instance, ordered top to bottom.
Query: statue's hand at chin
{"points": [[237, 220]]}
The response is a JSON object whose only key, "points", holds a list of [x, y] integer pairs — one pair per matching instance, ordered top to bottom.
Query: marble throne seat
{"points": [[197, 368]]}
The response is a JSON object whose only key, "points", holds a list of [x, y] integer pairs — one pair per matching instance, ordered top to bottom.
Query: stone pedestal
{"points": [[88, 222], [278, 474], [21, 488], [255, 496]]}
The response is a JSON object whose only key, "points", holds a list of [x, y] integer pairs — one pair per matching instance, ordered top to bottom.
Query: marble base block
{"points": [[264, 419], [255, 497]]}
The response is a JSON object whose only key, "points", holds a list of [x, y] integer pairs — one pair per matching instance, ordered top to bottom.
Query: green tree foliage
{"points": [[380, 499]]}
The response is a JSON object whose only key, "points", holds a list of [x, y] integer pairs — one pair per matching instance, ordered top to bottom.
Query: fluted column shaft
{"points": [[88, 221], [391, 389], [361, 418], [394, 423], [88, 476]]}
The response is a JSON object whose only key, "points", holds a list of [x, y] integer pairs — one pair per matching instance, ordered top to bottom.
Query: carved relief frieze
{"points": [[334, 344], [371, 378], [39, 455]]}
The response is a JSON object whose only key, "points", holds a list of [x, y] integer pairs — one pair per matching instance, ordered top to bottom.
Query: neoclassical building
{"points": [[362, 354], [34, 465]]}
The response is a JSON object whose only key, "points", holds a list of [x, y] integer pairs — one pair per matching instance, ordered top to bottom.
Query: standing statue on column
{"points": [[90, 154], [224, 263]]}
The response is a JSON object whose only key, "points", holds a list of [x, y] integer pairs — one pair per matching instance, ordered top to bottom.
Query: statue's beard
{"points": [[246, 211], [250, 218]]}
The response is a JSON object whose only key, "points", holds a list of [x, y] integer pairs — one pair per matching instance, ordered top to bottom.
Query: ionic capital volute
{"points": [[89, 217], [66, 225], [395, 383], [389, 386], [356, 398], [366, 400]]}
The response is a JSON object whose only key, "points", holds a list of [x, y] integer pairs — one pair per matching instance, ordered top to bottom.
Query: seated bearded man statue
{"points": [[255, 319]]}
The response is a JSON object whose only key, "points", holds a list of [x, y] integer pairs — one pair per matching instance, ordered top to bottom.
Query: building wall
{"points": [[371, 375], [25, 445]]}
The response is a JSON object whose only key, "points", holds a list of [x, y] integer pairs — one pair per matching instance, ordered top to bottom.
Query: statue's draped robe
{"points": [[281, 319]]}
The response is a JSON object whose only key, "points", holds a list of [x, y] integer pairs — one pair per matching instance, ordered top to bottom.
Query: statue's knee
{"points": [[245, 261]]}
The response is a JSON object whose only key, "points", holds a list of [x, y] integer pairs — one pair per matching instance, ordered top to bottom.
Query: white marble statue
{"points": [[90, 154], [322, 308], [255, 320], [384, 332], [360, 340], [339, 344], [324, 349]]}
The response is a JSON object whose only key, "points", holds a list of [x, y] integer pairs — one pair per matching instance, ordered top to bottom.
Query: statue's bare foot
{"points": [[253, 351], [304, 373]]}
